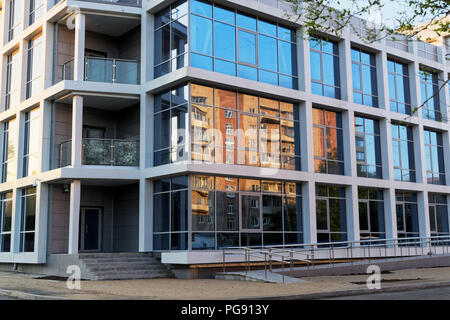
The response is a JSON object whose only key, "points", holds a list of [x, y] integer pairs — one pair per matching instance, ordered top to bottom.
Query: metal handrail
{"points": [[309, 250]]}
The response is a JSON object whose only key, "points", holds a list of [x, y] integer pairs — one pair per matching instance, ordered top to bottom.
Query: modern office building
{"points": [[183, 127]]}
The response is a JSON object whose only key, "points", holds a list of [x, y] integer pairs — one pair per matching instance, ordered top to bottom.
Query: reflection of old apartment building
{"points": [[183, 127]]}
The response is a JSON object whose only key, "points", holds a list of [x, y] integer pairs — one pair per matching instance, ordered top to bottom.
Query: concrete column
{"points": [[48, 33], [147, 46], [303, 61], [79, 64], [345, 67], [22, 70], [382, 80], [414, 85], [77, 130], [146, 131], [45, 132], [306, 137], [349, 148], [419, 154], [387, 161], [309, 212], [352, 213], [390, 213], [423, 214], [145, 215], [74, 216], [15, 221], [40, 243]]}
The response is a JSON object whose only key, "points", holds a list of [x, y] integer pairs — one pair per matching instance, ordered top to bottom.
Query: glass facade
{"points": [[36, 10], [15, 18], [171, 35], [230, 42], [324, 63], [34, 71], [12, 80], [365, 89], [399, 92], [429, 92], [170, 126], [234, 128], [328, 144], [368, 149], [403, 153], [434, 155], [30, 160], [9, 166], [438, 211], [227, 212], [170, 213], [330, 213], [371, 214], [407, 216], [28, 219], [5, 221]]}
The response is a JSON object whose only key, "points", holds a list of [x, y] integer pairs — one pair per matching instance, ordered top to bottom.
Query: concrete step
{"points": [[121, 260], [109, 266], [101, 268], [127, 276]]}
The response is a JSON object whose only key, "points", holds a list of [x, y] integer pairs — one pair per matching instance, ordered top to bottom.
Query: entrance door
{"points": [[251, 220], [90, 229]]}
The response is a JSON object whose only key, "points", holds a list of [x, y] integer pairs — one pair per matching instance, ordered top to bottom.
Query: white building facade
{"points": [[186, 127]]}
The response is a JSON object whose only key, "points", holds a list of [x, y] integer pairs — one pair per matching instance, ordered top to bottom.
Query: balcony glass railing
{"points": [[106, 70], [103, 152]]}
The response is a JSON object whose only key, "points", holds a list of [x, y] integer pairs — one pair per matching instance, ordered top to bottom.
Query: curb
{"points": [[353, 292], [27, 296]]}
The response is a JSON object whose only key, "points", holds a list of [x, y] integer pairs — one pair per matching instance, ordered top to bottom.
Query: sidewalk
{"points": [[26, 286]]}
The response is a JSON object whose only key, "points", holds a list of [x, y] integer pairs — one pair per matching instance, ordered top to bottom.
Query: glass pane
{"points": [[226, 47], [247, 47], [250, 212]]}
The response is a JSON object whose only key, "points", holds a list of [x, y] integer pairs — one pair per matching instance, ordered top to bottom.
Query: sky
{"points": [[388, 13]]}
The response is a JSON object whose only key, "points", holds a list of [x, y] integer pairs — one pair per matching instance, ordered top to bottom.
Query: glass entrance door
{"points": [[251, 219]]}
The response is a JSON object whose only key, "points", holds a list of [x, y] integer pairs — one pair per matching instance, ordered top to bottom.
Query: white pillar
{"points": [[80, 28], [303, 62], [345, 67], [77, 130], [349, 148], [352, 210], [309, 212], [390, 214], [423, 214], [145, 215], [74, 216], [15, 221], [40, 244]]}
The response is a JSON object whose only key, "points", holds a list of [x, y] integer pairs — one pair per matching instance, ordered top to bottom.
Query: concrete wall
{"points": [[130, 45], [64, 49], [128, 123], [62, 131], [101, 197], [120, 216], [126, 218], [59, 220]]}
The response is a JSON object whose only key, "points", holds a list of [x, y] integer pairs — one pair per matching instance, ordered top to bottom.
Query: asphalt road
{"points": [[423, 294]]}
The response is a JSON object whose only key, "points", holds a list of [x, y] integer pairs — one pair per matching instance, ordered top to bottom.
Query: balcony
{"points": [[106, 70], [103, 152]]}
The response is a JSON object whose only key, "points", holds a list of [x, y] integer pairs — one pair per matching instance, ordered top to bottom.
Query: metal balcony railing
{"points": [[106, 70], [103, 152], [367, 250]]}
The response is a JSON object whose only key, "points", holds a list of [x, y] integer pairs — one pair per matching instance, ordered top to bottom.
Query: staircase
{"points": [[121, 266]]}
